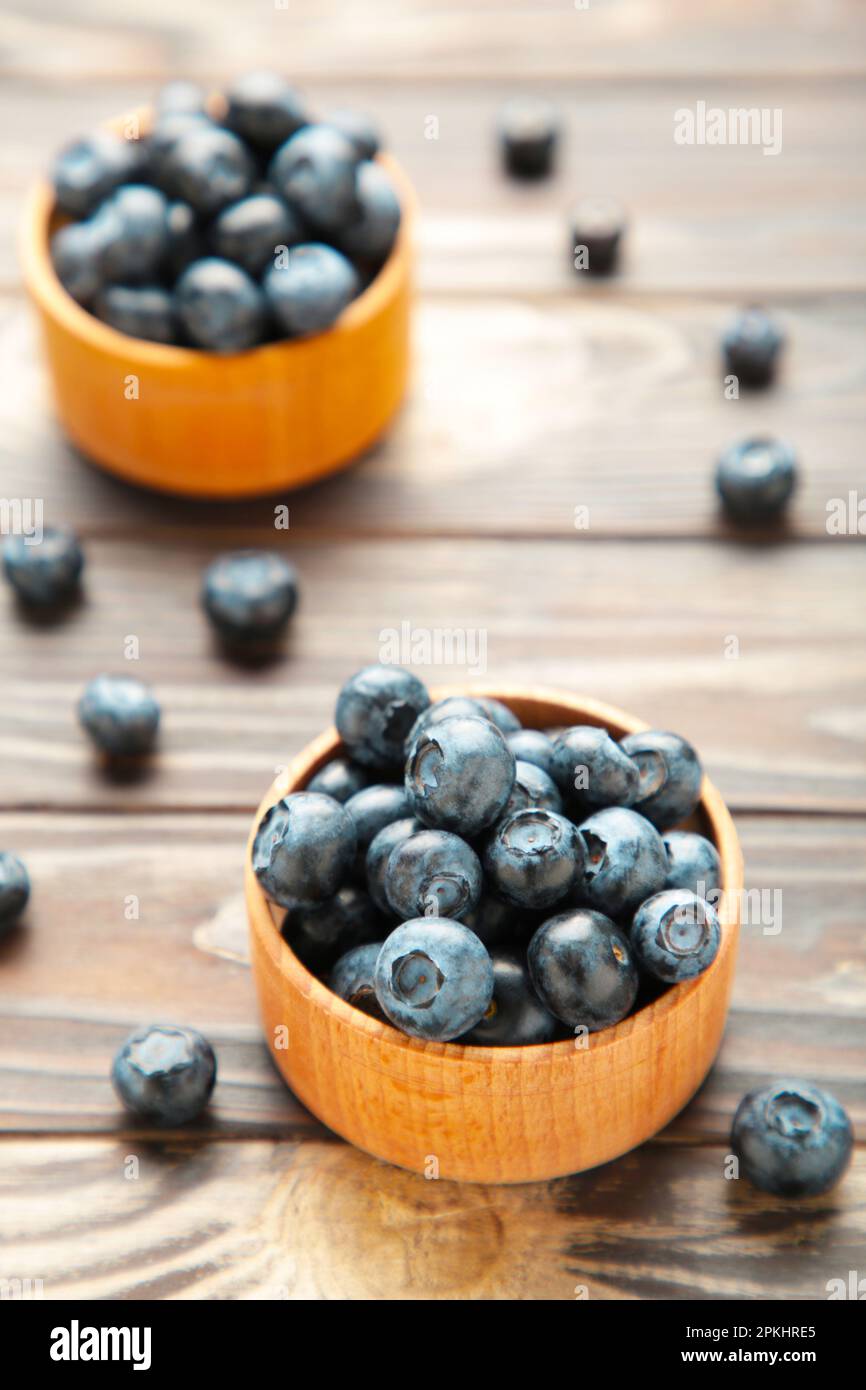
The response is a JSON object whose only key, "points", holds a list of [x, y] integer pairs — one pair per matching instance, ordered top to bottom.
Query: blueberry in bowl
{"points": [[675, 935], [433, 978]]}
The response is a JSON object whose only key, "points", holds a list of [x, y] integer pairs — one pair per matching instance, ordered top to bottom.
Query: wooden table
{"points": [[534, 394]]}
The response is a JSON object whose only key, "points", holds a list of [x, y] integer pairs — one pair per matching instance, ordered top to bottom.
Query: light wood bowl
{"points": [[207, 425], [484, 1114]]}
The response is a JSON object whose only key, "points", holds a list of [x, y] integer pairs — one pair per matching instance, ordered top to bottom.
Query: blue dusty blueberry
{"points": [[178, 96], [263, 109], [358, 128], [167, 129], [528, 136], [208, 167], [87, 170], [315, 171], [132, 226], [597, 230], [252, 231], [372, 231], [186, 241], [76, 254], [309, 292], [220, 306], [140, 311], [751, 348], [755, 479], [46, 572], [249, 595], [452, 707], [376, 708], [120, 714], [504, 718], [532, 746], [592, 771], [669, 773], [459, 775], [340, 778], [532, 788], [371, 809], [304, 848], [378, 854], [534, 858], [625, 861], [693, 862], [434, 874], [14, 890], [499, 923], [319, 933], [675, 935], [582, 968], [434, 978], [352, 979], [515, 1016], [165, 1074], [792, 1139]]}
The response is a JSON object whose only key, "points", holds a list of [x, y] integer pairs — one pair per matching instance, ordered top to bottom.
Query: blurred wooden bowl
{"points": [[484, 1114]]}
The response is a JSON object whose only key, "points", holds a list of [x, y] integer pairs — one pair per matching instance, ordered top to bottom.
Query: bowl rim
{"points": [[40, 279], [328, 745]]}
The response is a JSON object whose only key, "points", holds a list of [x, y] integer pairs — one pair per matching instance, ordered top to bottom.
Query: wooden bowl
{"points": [[207, 425], [485, 1114]]}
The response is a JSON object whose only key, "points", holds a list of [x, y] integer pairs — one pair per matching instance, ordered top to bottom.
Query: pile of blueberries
{"points": [[223, 231]]}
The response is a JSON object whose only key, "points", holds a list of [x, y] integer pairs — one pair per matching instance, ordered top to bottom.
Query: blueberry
{"points": [[180, 96], [264, 109], [358, 128], [528, 134], [164, 135], [208, 167], [86, 171], [315, 171], [598, 224], [133, 227], [252, 231], [371, 233], [186, 242], [76, 253], [309, 292], [220, 306], [140, 311], [751, 348], [756, 479], [44, 573], [249, 595], [376, 708], [449, 708], [120, 714], [505, 719], [531, 746], [592, 771], [459, 775], [670, 776], [340, 778], [532, 788], [371, 810], [304, 848], [378, 854], [534, 858], [625, 860], [693, 862], [432, 873], [14, 890], [497, 922], [319, 933], [675, 935], [582, 969], [434, 978], [352, 979], [515, 1016], [165, 1074], [792, 1139]]}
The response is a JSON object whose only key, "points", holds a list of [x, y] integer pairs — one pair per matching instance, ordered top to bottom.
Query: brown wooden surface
{"points": [[533, 395]]}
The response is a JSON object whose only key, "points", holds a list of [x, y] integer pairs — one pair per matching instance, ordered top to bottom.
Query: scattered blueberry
{"points": [[264, 109], [359, 129], [528, 134], [208, 167], [86, 171], [315, 171], [598, 225], [132, 226], [252, 231], [371, 234], [76, 252], [309, 292], [220, 306], [140, 311], [751, 348], [756, 479], [44, 573], [249, 595], [376, 708], [120, 714], [505, 719], [532, 746], [592, 771], [459, 775], [670, 776], [340, 778], [532, 788], [371, 809], [304, 848], [379, 853], [534, 858], [625, 860], [693, 862], [432, 873], [14, 890], [319, 933], [675, 935], [582, 969], [434, 978], [352, 979], [515, 1016], [165, 1074], [792, 1139]]}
